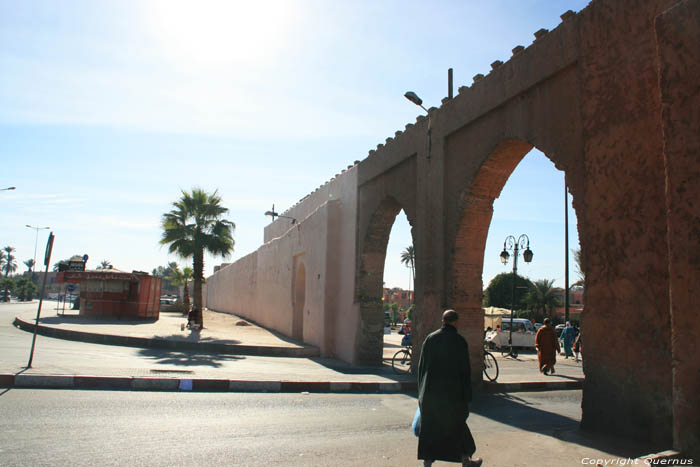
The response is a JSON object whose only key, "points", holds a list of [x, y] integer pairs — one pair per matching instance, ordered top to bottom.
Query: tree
{"points": [[194, 226], [408, 259], [10, 263], [105, 264], [30, 265], [57, 266], [579, 267], [164, 273], [181, 277], [7, 285], [24, 289], [498, 293], [543, 296], [409, 312]]}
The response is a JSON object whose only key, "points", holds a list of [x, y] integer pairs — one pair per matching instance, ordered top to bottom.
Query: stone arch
{"points": [[465, 281], [299, 301], [370, 333]]}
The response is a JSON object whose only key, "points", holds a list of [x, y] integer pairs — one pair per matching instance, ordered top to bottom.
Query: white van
{"points": [[523, 334]]}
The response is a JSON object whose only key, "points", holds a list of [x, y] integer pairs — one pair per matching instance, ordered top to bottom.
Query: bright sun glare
{"points": [[219, 32]]}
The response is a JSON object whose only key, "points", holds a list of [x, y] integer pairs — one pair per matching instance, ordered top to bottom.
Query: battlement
{"points": [[313, 200]]}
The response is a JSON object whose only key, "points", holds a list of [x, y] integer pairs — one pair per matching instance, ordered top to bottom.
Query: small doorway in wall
{"points": [[299, 302]]}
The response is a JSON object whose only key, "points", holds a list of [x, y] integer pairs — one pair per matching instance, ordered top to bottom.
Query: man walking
{"points": [[547, 346], [444, 393]]}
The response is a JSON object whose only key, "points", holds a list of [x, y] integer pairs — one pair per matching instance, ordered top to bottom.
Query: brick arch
{"points": [[465, 280], [370, 332]]}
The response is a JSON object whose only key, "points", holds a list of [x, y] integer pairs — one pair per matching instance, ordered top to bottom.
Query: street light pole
{"points": [[413, 97], [36, 240], [510, 243], [566, 251]]}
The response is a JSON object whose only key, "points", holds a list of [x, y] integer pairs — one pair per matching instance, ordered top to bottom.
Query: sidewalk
{"points": [[231, 354]]}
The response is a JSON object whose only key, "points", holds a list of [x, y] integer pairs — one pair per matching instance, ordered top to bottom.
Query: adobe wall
{"points": [[678, 45], [612, 101], [341, 186], [260, 286], [233, 289], [628, 364]]}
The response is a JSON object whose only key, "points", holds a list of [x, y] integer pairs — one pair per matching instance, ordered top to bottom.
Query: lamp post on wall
{"points": [[413, 97], [274, 214], [36, 239], [510, 243]]}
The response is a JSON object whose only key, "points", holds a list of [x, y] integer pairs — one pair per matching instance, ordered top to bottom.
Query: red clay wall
{"points": [[678, 33], [626, 322]]}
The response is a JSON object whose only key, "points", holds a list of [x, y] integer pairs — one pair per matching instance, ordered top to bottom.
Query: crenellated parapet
{"points": [[486, 91]]}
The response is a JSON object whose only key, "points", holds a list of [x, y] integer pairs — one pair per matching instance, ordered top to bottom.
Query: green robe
{"points": [[444, 393]]}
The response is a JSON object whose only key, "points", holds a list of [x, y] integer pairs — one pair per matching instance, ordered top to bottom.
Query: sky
{"points": [[108, 109]]}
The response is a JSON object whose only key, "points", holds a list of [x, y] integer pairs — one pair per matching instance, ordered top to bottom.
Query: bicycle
{"points": [[509, 351], [401, 361], [490, 366]]}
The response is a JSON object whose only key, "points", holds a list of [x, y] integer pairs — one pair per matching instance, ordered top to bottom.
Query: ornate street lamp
{"points": [[510, 243]]}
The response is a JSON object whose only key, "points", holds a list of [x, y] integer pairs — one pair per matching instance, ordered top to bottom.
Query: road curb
{"points": [[150, 342], [121, 383], [533, 386]]}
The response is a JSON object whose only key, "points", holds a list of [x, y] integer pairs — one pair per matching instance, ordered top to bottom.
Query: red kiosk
{"points": [[113, 294]]}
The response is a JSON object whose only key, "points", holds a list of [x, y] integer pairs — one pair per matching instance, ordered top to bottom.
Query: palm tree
{"points": [[193, 226], [408, 259], [2, 260], [10, 263], [105, 264], [30, 265], [179, 277], [543, 295]]}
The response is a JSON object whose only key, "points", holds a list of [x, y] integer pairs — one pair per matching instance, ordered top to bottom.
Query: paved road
{"points": [[57, 356], [148, 428]]}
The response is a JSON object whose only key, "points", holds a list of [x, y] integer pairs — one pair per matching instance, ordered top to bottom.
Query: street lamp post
{"points": [[413, 97], [7, 189], [272, 213], [36, 240], [510, 243]]}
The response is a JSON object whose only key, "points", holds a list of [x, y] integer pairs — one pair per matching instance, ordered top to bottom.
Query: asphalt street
{"points": [[59, 356], [65, 357], [59, 427]]}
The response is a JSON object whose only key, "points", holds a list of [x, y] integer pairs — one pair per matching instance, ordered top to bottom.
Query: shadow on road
{"points": [[75, 319], [195, 336], [182, 358], [384, 370], [524, 415]]}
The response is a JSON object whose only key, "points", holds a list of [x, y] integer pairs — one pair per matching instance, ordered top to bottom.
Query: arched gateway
{"points": [[611, 97]]}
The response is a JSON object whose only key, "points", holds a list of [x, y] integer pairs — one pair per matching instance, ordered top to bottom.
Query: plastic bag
{"points": [[415, 426]]}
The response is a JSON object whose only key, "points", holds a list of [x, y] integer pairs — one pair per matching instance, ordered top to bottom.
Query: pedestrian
{"points": [[567, 335], [547, 346], [578, 347], [444, 394]]}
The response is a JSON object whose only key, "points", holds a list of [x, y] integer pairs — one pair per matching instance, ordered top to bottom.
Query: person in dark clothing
{"points": [[444, 393]]}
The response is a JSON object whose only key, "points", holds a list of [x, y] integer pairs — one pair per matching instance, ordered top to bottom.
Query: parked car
{"points": [[523, 334]]}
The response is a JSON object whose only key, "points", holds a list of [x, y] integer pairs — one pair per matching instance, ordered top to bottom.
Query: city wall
{"points": [[611, 97]]}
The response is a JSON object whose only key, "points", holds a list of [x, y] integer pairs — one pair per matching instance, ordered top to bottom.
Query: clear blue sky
{"points": [[108, 109]]}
